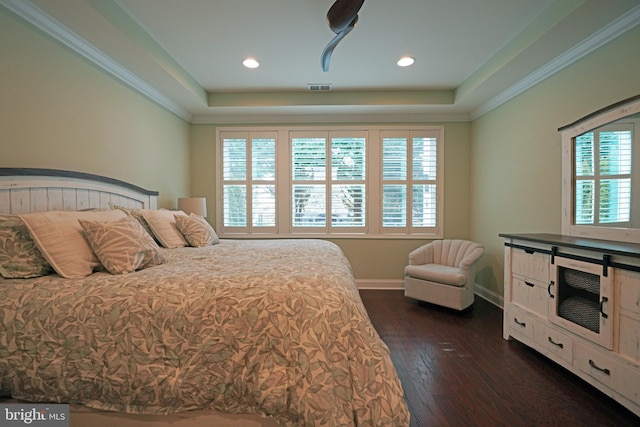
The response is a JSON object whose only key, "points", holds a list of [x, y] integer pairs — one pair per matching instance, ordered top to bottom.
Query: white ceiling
{"points": [[471, 55]]}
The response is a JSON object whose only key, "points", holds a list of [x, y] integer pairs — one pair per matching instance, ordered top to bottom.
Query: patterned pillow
{"points": [[137, 214], [163, 225], [196, 230], [61, 240], [122, 246], [19, 255]]}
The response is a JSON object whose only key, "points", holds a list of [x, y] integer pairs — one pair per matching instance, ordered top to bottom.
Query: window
{"points": [[409, 175], [603, 176], [248, 181], [328, 182], [344, 182]]}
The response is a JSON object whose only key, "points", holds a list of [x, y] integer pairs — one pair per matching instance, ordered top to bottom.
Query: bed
{"points": [[241, 332]]}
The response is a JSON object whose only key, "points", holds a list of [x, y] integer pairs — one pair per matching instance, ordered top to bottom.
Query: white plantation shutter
{"points": [[234, 151], [394, 152], [615, 152], [584, 155], [309, 158], [263, 159], [424, 159], [309, 166], [615, 171], [602, 172], [234, 173], [584, 174], [394, 175], [348, 180], [409, 181], [248, 182], [343, 182], [328, 183], [424, 188], [263, 190], [615, 200], [585, 201], [235, 205], [394, 205], [423, 205], [348, 207]]}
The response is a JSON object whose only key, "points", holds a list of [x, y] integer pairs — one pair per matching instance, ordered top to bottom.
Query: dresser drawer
{"points": [[534, 266], [530, 295], [519, 322], [554, 342], [595, 364], [617, 375], [627, 382]]}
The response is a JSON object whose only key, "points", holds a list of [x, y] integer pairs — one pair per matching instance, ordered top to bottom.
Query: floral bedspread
{"points": [[271, 327]]}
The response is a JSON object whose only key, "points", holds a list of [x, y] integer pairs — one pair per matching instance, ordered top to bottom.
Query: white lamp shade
{"points": [[196, 205]]}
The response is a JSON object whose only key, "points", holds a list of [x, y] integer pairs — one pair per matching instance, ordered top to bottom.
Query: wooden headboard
{"points": [[24, 190]]}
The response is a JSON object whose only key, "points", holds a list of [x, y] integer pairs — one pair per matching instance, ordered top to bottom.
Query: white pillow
{"points": [[163, 224], [196, 230], [61, 240]]}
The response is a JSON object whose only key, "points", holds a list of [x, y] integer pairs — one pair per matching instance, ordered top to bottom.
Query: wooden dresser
{"points": [[577, 301]]}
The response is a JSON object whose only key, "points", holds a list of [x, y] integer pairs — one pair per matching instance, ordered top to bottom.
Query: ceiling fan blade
{"points": [[342, 13], [328, 50]]}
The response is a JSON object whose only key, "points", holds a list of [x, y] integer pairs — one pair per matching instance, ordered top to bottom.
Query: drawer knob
{"points": [[531, 285], [523, 324], [557, 344], [603, 370]]}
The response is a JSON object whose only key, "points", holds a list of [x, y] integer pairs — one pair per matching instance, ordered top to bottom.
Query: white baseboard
{"points": [[382, 284], [492, 297]]}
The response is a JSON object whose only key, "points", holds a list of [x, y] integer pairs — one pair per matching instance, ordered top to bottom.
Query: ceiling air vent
{"points": [[319, 87]]}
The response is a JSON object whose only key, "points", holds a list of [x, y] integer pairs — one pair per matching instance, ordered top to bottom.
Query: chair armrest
{"points": [[471, 257]]}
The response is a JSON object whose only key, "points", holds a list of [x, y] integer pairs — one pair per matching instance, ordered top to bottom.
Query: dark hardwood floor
{"points": [[457, 370]]}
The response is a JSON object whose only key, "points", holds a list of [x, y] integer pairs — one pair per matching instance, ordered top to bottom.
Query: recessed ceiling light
{"points": [[405, 61], [250, 63]]}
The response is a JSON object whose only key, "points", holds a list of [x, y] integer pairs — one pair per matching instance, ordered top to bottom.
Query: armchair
{"points": [[443, 272]]}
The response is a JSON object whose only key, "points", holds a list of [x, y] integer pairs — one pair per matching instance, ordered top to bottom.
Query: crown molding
{"points": [[55, 29], [606, 34]]}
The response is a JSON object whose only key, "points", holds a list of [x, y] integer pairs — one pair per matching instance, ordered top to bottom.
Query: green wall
{"points": [[59, 111], [516, 149]]}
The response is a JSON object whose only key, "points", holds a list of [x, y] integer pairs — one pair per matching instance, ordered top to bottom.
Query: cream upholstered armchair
{"points": [[443, 272]]}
